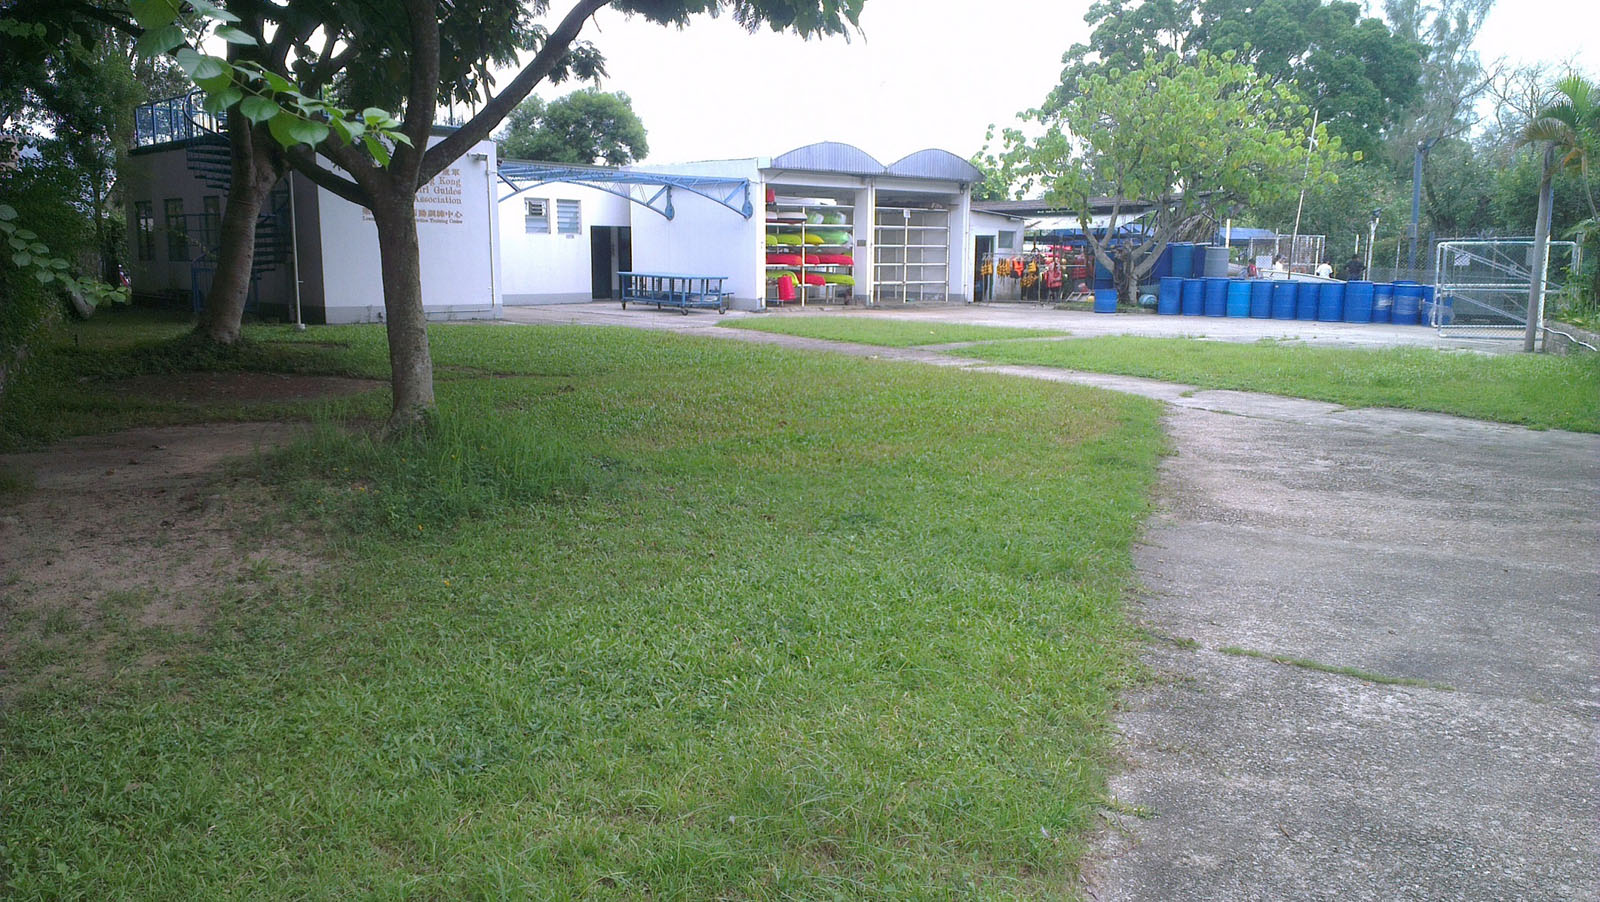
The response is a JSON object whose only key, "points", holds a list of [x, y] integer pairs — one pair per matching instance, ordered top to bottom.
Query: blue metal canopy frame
{"points": [[521, 176]]}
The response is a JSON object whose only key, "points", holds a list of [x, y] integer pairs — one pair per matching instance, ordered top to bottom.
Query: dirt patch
{"points": [[241, 388], [130, 540]]}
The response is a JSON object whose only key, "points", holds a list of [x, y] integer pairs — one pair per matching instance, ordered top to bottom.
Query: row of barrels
{"points": [[1403, 303]]}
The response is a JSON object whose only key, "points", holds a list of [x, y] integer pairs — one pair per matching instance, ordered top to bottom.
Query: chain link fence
{"points": [[1482, 287]]}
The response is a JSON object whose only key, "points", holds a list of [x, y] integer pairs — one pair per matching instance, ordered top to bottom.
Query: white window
{"points": [[536, 216], [569, 217], [1008, 240]]}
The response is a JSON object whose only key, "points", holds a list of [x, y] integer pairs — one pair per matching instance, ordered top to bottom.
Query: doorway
{"points": [[982, 246], [610, 252]]}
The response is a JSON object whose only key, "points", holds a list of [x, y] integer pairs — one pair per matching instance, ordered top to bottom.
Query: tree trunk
{"points": [[254, 174], [1541, 248], [409, 361]]}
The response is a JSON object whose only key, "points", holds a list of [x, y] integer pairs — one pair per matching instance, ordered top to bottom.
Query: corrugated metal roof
{"points": [[830, 156], [936, 164]]}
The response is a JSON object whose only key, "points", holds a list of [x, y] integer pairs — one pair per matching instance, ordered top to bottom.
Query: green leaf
{"points": [[212, 11], [153, 13], [235, 35], [156, 41], [188, 60], [211, 67], [277, 82], [215, 83], [218, 101], [258, 109], [282, 128], [308, 131], [399, 138], [376, 148], [7, 212], [22, 258], [44, 276]]}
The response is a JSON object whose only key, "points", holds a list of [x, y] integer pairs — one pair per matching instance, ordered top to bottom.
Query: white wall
{"points": [[457, 232], [704, 237], [549, 267]]}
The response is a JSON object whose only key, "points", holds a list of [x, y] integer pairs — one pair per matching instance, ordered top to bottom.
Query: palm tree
{"points": [[1570, 132]]}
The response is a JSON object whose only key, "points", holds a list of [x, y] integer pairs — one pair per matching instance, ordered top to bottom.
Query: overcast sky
{"points": [[923, 73]]}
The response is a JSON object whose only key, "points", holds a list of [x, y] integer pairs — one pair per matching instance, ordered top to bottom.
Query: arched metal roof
{"points": [[830, 156], [936, 164]]}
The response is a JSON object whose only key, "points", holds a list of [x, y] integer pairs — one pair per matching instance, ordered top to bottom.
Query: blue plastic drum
{"points": [[1216, 296], [1193, 297], [1238, 297], [1169, 299], [1261, 299], [1282, 300], [1358, 302]]}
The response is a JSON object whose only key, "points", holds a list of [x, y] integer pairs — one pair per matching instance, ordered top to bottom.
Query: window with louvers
{"points": [[569, 217]]}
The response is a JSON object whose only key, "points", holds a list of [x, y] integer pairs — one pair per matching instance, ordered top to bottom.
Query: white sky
{"points": [[923, 73]]}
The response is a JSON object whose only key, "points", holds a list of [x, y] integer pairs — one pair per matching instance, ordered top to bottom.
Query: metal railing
{"points": [[173, 120]]}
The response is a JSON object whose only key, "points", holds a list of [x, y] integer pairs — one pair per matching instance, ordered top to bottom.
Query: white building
{"points": [[843, 227]]}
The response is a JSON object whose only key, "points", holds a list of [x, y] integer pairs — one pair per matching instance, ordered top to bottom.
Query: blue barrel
{"points": [[1182, 260], [1163, 265], [1101, 273], [1193, 297], [1216, 297], [1238, 297], [1261, 299], [1282, 299], [1305, 299], [1105, 300], [1169, 300], [1358, 302], [1382, 302], [1330, 303], [1407, 303]]}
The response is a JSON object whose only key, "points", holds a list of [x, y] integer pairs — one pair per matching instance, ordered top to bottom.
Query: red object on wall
{"points": [[785, 259], [786, 288]]}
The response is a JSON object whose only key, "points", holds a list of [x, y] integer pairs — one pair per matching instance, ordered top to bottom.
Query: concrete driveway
{"points": [[1081, 325], [1430, 588]]}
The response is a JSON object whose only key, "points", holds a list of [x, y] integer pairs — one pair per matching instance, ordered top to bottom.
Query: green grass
{"points": [[888, 333], [72, 385], [1532, 390], [691, 619], [1356, 672]]}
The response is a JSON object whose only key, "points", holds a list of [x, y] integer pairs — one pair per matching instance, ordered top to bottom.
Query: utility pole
{"points": [[1372, 238], [1538, 266]]}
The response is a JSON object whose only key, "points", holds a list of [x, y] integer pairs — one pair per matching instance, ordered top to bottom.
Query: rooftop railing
{"points": [[173, 120]]}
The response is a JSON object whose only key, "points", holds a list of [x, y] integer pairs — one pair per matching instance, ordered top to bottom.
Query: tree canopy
{"points": [[1358, 74], [584, 127], [1191, 138]]}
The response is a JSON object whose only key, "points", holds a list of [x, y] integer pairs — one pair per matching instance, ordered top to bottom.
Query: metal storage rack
{"points": [[912, 262], [804, 292]]}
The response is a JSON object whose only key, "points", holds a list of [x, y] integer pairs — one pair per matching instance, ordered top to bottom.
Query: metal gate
{"points": [[1483, 285]]}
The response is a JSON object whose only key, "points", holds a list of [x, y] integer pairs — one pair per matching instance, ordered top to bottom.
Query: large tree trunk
{"points": [[255, 170], [410, 364]]}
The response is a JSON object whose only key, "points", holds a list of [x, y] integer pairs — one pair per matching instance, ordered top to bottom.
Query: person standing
{"points": [[1325, 269], [1354, 269]]}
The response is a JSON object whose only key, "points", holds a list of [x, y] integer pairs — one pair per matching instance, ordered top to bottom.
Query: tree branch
{"points": [[480, 125], [304, 161]]}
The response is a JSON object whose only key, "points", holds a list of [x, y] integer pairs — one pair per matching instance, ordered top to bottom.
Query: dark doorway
{"points": [[982, 246], [610, 252]]}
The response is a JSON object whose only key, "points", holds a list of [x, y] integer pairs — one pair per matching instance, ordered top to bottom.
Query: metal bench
{"points": [[667, 289]]}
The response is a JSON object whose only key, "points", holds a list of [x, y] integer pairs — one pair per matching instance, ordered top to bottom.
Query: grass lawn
{"points": [[888, 333], [1532, 390], [649, 617]]}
